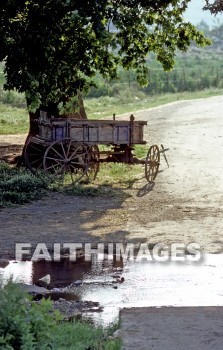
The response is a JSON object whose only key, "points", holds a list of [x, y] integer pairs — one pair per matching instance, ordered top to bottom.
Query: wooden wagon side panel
{"points": [[45, 131], [106, 131], [59, 132], [114, 132], [76, 133], [137, 133], [91, 134], [122, 134]]}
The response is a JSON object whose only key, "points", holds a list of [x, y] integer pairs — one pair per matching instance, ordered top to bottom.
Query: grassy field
{"points": [[98, 108], [15, 120]]}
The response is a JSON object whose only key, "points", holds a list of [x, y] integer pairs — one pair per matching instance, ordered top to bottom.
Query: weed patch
{"points": [[18, 186], [26, 325]]}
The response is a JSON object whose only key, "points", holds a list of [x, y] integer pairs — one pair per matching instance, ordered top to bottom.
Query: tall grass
{"points": [[13, 120]]}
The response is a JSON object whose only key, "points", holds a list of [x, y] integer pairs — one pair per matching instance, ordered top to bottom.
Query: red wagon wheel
{"points": [[33, 155], [66, 161], [152, 163]]}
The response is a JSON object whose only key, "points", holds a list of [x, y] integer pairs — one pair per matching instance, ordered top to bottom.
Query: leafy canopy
{"points": [[214, 7], [52, 48]]}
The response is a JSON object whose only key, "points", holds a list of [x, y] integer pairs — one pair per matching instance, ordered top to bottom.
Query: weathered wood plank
{"points": [[94, 131]]}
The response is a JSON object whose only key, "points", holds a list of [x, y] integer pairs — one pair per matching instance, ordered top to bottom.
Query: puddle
{"points": [[61, 273], [116, 286], [56, 296]]}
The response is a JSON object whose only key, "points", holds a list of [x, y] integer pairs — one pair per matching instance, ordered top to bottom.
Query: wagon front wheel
{"points": [[66, 161], [152, 163]]}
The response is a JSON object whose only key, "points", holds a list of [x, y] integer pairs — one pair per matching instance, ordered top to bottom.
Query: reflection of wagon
{"points": [[69, 146]]}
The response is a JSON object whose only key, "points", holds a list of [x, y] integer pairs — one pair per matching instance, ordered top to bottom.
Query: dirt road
{"points": [[185, 205]]}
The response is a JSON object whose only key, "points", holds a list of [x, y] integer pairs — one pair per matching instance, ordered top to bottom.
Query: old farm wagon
{"points": [[66, 147]]}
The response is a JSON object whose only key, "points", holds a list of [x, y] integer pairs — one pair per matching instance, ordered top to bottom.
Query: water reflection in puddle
{"points": [[21, 271], [145, 284]]}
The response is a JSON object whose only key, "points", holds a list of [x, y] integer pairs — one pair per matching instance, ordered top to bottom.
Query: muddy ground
{"points": [[185, 204]]}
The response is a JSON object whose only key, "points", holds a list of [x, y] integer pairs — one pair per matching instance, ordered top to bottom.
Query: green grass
{"points": [[103, 107], [13, 120], [118, 175], [113, 180], [18, 186], [81, 336]]}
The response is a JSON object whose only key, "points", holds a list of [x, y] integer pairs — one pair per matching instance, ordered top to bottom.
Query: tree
{"points": [[214, 7], [53, 48]]}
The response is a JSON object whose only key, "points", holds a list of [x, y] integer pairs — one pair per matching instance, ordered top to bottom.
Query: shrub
{"points": [[18, 186], [25, 325]]}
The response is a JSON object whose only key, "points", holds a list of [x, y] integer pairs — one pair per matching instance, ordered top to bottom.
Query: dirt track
{"points": [[185, 205]]}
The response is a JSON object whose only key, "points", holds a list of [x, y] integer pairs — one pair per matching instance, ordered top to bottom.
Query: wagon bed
{"points": [[115, 132]]}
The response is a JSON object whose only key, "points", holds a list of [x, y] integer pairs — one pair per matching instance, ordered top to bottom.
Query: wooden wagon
{"points": [[69, 146]]}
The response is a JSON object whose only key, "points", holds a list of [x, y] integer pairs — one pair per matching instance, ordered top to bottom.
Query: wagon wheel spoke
{"points": [[68, 148], [54, 150], [64, 153], [75, 153], [33, 155], [78, 155], [36, 161], [59, 161], [66, 161], [72, 163], [152, 163], [54, 166], [93, 167], [71, 173]]}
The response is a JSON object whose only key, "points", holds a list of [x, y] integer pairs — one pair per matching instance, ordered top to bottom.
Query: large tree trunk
{"points": [[52, 110], [47, 112], [81, 113]]}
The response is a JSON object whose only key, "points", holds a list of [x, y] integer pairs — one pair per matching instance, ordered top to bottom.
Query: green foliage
{"points": [[214, 7], [55, 49], [194, 71], [12, 98], [18, 186], [26, 325], [81, 336]]}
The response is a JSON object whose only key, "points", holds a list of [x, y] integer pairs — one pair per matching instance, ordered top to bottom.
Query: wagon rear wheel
{"points": [[33, 155], [66, 161], [152, 163], [93, 168]]}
